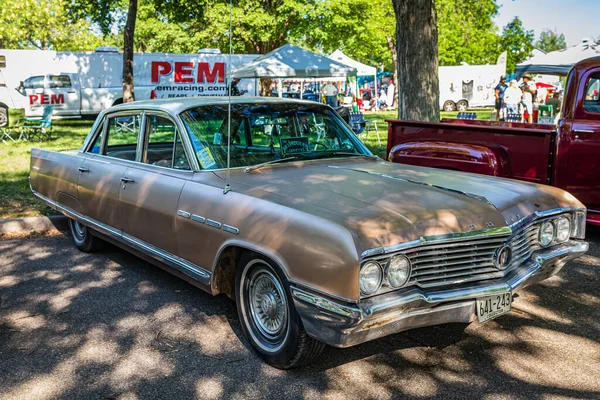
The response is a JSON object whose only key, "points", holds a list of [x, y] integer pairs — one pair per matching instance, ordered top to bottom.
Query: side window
{"points": [[60, 81], [34, 82], [592, 94], [122, 136], [95, 145], [163, 146]]}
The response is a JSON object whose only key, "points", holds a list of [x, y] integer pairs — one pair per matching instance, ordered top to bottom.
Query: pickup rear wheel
{"points": [[462, 105], [82, 237], [268, 316]]}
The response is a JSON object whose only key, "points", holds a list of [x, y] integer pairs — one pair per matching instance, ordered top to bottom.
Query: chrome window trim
{"points": [[145, 139], [192, 270]]}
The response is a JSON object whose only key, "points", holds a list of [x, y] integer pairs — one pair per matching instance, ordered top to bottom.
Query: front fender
{"points": [[485, 159]]}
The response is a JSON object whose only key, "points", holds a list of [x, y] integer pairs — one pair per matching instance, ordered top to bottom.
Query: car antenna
{"points": [[228, 179]]}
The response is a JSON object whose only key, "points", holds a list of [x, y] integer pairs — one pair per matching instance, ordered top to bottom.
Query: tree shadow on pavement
{"points": [[109, 325]]}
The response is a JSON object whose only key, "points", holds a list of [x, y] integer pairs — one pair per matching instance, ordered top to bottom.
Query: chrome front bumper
{"points": [[344, 325]]}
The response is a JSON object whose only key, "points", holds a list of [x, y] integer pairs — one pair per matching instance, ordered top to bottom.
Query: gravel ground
{"points": [[109, 325]]}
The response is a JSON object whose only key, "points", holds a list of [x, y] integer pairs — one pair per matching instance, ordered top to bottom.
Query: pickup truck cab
{"points": [[565, 155]]}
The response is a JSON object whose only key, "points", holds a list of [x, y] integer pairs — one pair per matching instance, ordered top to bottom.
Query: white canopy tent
{"points": [[290, 61], [559, 62], [361, 69]]}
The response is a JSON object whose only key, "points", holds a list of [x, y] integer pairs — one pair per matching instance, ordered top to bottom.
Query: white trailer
{"points": [[82, 84], [469, 86]]}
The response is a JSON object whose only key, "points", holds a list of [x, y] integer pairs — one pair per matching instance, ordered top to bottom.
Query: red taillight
{"points": [[152, 94]]}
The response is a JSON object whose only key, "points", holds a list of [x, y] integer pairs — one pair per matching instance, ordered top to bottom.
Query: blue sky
{"points": [[575, 18]]}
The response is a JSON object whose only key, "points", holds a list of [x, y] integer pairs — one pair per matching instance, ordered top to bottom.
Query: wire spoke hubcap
{"points": [[268, 305]]}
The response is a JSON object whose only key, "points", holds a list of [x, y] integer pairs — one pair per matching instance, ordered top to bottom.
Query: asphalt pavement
{"points": [[109, 325]]}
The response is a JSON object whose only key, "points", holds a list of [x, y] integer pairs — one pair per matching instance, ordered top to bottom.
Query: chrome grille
{"points": [[470, 260], [452, 263]]}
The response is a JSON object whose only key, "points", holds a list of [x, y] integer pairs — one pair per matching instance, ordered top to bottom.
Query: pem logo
{"points": [[189, 71], [46, 99]]}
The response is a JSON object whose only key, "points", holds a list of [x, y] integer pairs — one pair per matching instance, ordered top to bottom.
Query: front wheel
{"points": [[449, 106], [3, 116], [82, 237], [268, 316]]}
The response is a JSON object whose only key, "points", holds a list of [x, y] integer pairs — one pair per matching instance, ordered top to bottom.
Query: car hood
{"points": [[384, 203]]}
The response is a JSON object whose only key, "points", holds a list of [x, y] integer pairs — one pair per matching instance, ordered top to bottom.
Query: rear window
{"points": [[60, 81], [592, 94]]}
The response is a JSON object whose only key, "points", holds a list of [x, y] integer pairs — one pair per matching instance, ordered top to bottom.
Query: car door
{"points": [[33, 90], [63, 93], [111, 152], [584, 152], [149, 195]]}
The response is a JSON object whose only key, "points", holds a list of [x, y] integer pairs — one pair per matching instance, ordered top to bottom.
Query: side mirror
{"points": [[20, 88]]}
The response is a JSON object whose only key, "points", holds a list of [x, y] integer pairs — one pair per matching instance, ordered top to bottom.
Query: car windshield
{"points": [[268, 132]]}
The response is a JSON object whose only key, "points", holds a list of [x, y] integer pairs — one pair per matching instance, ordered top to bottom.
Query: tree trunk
{"points": [[416, 43], [394, 51], [265, 87], [128, 94]]}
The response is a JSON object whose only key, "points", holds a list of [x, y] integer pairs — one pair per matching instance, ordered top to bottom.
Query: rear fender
{"points": [[487, 159]]}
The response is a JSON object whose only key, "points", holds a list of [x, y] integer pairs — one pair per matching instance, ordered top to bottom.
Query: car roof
{"points": [[178, 105]]}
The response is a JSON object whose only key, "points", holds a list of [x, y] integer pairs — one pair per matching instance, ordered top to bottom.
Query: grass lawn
{"points": [[17, 201]]}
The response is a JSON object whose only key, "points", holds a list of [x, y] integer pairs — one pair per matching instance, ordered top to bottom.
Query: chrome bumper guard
{"points": [[344, 325]]}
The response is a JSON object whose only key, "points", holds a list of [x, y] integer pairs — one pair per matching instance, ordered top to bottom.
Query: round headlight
{"points": [[563, 229], [546, 235], [398, 271], [370, 278]]}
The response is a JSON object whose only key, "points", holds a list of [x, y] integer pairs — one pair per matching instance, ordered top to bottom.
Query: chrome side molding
{"points": [[183, 214], [192, 270]]}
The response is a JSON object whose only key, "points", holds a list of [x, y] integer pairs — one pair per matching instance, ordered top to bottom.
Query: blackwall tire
{"points": [[82, 237], [268, 316]]}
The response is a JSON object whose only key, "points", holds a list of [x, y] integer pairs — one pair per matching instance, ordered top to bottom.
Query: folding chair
{"points": [[16, 118], [357, 122], [372, 125], [40, 128]]}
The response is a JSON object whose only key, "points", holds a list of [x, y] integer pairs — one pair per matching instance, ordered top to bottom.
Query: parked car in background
{"points": [[565, 155], [317, 240]]}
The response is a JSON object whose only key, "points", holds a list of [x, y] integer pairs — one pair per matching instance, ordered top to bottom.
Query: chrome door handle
{"points": [[72, 91], [583, 131], [83, 169], [127, 180]]}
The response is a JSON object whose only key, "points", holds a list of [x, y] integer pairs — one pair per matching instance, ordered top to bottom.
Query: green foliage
{"points": [[43, 24], [466, 32], [551, 41], [518, 42]]}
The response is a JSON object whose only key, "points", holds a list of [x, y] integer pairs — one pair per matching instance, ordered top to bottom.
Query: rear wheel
{"points": [[462, 105], [449, 106], [82, 237], [268, 316]]}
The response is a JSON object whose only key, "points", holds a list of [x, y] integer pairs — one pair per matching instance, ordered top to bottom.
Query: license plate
{"points": [[491, 307]]}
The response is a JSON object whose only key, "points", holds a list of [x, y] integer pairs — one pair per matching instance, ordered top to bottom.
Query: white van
{"points": [[79, 84]]}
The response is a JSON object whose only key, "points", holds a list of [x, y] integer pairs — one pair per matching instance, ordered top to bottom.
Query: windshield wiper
{"points": [[258, 166]]}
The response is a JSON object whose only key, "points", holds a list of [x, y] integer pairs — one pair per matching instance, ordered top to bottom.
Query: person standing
{"points": [[529, 89], [330, 92], [499, 94], [390, 95], [512, 98]]}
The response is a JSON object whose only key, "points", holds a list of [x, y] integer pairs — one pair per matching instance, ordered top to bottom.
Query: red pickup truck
{"points": [[565, 155]]}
